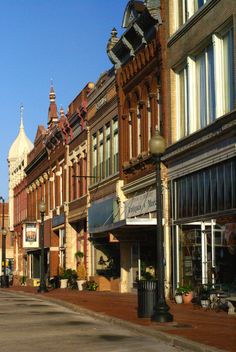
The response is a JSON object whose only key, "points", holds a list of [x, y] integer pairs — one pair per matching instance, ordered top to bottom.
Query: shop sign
{"points": [[142, 204], [58, 220], [30, 235]]}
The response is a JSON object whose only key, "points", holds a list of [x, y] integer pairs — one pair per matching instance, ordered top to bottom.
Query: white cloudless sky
{"points": [[40, 40]]}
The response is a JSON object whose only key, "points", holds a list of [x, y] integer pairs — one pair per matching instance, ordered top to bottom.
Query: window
{"points": [[184, 9], [228, 64], [205, 80], [205, 85], [183, 103], [149, 119], [139, 135], [130, 136], [116, 146], [101, 149], [108, 150], [94, 157], [61, 185], [206, 191]]}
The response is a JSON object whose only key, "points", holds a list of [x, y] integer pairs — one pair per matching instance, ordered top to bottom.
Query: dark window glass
{"points": [[228, 182], [234, 183], [220, 187], [178, 188], [213, 190], [207, 191], [200, 193], [195, 194], [189, 196], [183, 198]]}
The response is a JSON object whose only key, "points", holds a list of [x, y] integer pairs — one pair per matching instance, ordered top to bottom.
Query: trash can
{"points": [[5, 281], [147, 298]]}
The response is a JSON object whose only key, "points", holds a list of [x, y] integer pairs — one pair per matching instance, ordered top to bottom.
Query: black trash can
{"points": [[5, 281], [147, 298]]}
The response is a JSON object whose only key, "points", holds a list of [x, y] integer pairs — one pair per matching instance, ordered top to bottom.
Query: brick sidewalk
{"points": [[196, 324]]}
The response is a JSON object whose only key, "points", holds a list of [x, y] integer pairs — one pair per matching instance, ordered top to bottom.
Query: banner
{"points": [[30, 235]]}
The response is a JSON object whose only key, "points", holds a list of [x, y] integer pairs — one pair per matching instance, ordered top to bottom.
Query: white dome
{"points": [[22, 145]]}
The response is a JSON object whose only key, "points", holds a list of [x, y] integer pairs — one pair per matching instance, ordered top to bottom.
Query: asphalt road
{"points": [[32, 324]]}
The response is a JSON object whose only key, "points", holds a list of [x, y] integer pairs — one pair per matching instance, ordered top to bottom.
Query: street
{"points": [[32, 324]]}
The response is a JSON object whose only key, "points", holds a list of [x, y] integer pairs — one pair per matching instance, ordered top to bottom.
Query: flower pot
{"points": [[63, 283], [80, 284], [187, 297], [178, 299], [205, 303]]}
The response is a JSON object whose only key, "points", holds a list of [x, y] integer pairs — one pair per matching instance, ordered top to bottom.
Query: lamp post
{"points": [[4, 233], [42, 287], [161, 313]]}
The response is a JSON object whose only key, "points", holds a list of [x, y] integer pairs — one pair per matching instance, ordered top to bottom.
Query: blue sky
{"points": [[40, 40]]}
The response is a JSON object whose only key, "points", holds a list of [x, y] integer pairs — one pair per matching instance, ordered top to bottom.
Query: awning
{"points": [[126, 224]]}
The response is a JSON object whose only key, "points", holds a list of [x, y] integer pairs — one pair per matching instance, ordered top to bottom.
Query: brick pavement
{"points": [[216, 329]]}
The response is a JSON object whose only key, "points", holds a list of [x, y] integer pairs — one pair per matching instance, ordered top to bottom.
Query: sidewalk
{"points": [[195, 324]]}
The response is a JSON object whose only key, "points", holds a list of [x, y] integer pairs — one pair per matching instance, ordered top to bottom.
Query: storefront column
{"points": [[71, 246], [125, 260]]}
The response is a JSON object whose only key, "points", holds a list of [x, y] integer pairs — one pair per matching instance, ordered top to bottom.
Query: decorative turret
{"points": [[110, 45], [52, 111], [17, 161]]}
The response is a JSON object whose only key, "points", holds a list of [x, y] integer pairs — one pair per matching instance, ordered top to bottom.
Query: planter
{"points": [[63, 283], [80, 284], [187, 297], [178, 299], [205, 303]]}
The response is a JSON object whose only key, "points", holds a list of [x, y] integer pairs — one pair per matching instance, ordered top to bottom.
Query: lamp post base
{"points": [[42, 288], [161, 314]]}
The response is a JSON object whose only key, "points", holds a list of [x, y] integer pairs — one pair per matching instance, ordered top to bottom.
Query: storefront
{"points": [[203, 206], [129, 242]]}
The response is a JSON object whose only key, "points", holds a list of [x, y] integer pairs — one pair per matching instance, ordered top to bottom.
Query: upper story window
{"points": [[184, 9], [205, 87], [116, 145], [108, 150], [101, 151], [105, 151], [94, 156]]}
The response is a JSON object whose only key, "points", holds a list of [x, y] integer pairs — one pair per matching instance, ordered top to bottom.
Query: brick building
{"points": [[140, 78], [202, 158], [104, 182]]}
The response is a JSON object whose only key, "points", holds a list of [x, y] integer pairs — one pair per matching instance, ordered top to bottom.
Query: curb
{"points": [[170, 339]]}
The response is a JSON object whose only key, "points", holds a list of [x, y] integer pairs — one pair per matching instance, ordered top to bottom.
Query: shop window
{"points": [[208, 191]]}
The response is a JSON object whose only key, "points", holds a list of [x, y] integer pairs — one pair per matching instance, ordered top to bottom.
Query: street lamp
{"points": [[4, 233], [42, 287], [161, 313]]}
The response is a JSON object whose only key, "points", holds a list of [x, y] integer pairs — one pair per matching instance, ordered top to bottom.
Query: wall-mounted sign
{"points": [[141, 204], [58, 220], [30, 235]]}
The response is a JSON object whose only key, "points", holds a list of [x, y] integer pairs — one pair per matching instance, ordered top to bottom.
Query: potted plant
{"points": [[79, 255], [64, 276], [81, 276], [90, 285], [187, 293], [178, 295], [204, 296]]}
